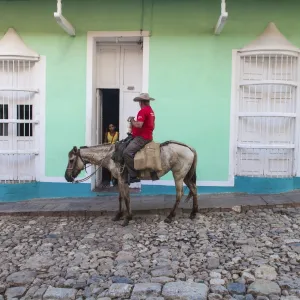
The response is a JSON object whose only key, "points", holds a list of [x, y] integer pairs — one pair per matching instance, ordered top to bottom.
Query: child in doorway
{"points": [[111, 137]]}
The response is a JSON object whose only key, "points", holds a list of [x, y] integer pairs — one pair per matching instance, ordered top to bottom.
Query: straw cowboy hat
{"points": [[143, 96]]}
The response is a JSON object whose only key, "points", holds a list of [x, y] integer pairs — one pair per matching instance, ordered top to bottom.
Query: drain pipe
{"points": [[222, 19], [62, 21]]}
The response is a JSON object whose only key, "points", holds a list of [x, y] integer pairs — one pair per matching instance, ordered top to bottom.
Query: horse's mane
{"points": [[166, 143], [97, 146], [104, 148]]}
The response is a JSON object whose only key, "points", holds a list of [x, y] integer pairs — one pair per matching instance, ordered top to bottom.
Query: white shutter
{"points": [[108, 66], [120, 67], [131, 83], [19, 107], [267, 115], [99, 129], [250, 162], [278, 162]]}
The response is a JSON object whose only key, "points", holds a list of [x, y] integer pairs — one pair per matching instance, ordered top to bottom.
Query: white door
{"points": [[108, 67], [121, 67], [131, 83], [131, 86], [99, 114], [99, 130]]}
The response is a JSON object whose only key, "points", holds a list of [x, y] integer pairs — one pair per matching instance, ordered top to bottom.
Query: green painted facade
{"points": [[190, 68]]}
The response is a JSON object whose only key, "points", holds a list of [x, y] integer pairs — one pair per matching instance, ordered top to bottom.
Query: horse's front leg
{"points": [[115, 172], [120, 212], [128, 216]]}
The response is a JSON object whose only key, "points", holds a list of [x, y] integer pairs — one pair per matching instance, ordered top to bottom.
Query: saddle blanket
{"points": [[148, 158]]}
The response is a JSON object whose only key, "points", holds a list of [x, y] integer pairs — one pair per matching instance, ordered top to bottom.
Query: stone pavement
{"points": [[146, 204], [217, 256]]}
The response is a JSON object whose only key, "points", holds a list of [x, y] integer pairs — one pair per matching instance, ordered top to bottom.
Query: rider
{"points": [[142, 132]]}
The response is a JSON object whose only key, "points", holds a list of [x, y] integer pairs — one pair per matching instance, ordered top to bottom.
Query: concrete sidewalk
{"points": [[146, 204]]}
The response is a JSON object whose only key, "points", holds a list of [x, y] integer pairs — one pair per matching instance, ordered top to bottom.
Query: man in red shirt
{"points": [[142, 131]]}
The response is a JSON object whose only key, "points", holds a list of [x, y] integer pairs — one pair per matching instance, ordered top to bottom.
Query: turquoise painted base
{"points": [[250, 185]]}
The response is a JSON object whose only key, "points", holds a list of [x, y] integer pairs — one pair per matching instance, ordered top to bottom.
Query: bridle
{"points": [[78, 155]]}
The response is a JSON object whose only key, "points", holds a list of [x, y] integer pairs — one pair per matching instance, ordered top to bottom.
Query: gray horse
{"points": [[175, 156]]}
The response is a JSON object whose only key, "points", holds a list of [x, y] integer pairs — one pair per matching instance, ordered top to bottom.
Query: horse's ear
{"points": [[75, 149]]}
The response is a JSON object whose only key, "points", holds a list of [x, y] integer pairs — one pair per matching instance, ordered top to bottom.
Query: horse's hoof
{"points": [[192, 216], [117, 217], [168, 220], [125, 223]]}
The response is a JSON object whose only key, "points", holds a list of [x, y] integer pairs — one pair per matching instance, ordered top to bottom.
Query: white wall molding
{"points": [[146, 57], [233, 112], [41, 159], [58, 179], [200, 183]]}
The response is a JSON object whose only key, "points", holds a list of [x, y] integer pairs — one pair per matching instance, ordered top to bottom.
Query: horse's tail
{"points": [[191, 176]]}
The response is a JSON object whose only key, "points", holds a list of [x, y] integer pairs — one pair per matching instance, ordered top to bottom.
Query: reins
{"points": [[89, 176]]}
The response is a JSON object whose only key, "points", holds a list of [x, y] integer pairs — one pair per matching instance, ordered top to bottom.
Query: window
{"points": [[267, 88], [19, 105], [24, 112], [3, 116]]}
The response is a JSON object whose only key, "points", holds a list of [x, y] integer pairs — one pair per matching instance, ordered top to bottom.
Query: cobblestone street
{"points": [[219, 255]]}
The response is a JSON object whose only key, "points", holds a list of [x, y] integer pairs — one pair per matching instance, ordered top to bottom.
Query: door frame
{"points": [[104, 36], [99, 127]]}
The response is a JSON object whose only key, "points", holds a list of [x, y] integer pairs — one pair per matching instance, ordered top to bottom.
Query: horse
{"points": [[177, 157]]}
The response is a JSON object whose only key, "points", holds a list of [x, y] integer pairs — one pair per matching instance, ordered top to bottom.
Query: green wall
{"points": [[190, 68]]}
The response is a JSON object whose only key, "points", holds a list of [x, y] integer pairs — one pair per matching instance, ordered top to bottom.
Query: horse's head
{"points": [[75, 164]]}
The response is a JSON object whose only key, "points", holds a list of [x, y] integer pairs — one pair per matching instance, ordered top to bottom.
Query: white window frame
{"points": [[14, 49], [39, 116], [234, 120]]}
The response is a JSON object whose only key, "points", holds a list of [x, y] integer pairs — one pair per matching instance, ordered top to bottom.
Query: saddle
{"points": [[120, 146], [147, 161]]}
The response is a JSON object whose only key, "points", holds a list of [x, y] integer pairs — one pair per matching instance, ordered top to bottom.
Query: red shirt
{"points": [[146, 115]]}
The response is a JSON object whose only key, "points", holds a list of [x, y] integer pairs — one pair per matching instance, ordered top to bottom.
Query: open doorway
{"points": [[118, 66], [108, 109]]}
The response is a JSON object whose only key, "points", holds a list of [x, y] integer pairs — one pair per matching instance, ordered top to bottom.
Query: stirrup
{"points": [[134, 180]]}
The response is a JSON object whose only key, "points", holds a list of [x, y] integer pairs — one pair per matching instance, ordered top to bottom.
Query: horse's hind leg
{"points": [[193, 193], [179, 194], [195, 209], [119, 214]]}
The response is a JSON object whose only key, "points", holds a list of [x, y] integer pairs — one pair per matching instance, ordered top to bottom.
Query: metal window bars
{"points": [[267, 115]]}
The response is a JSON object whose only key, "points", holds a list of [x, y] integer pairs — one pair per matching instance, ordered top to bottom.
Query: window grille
{"points": [[18, 106], [267, 109]]}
